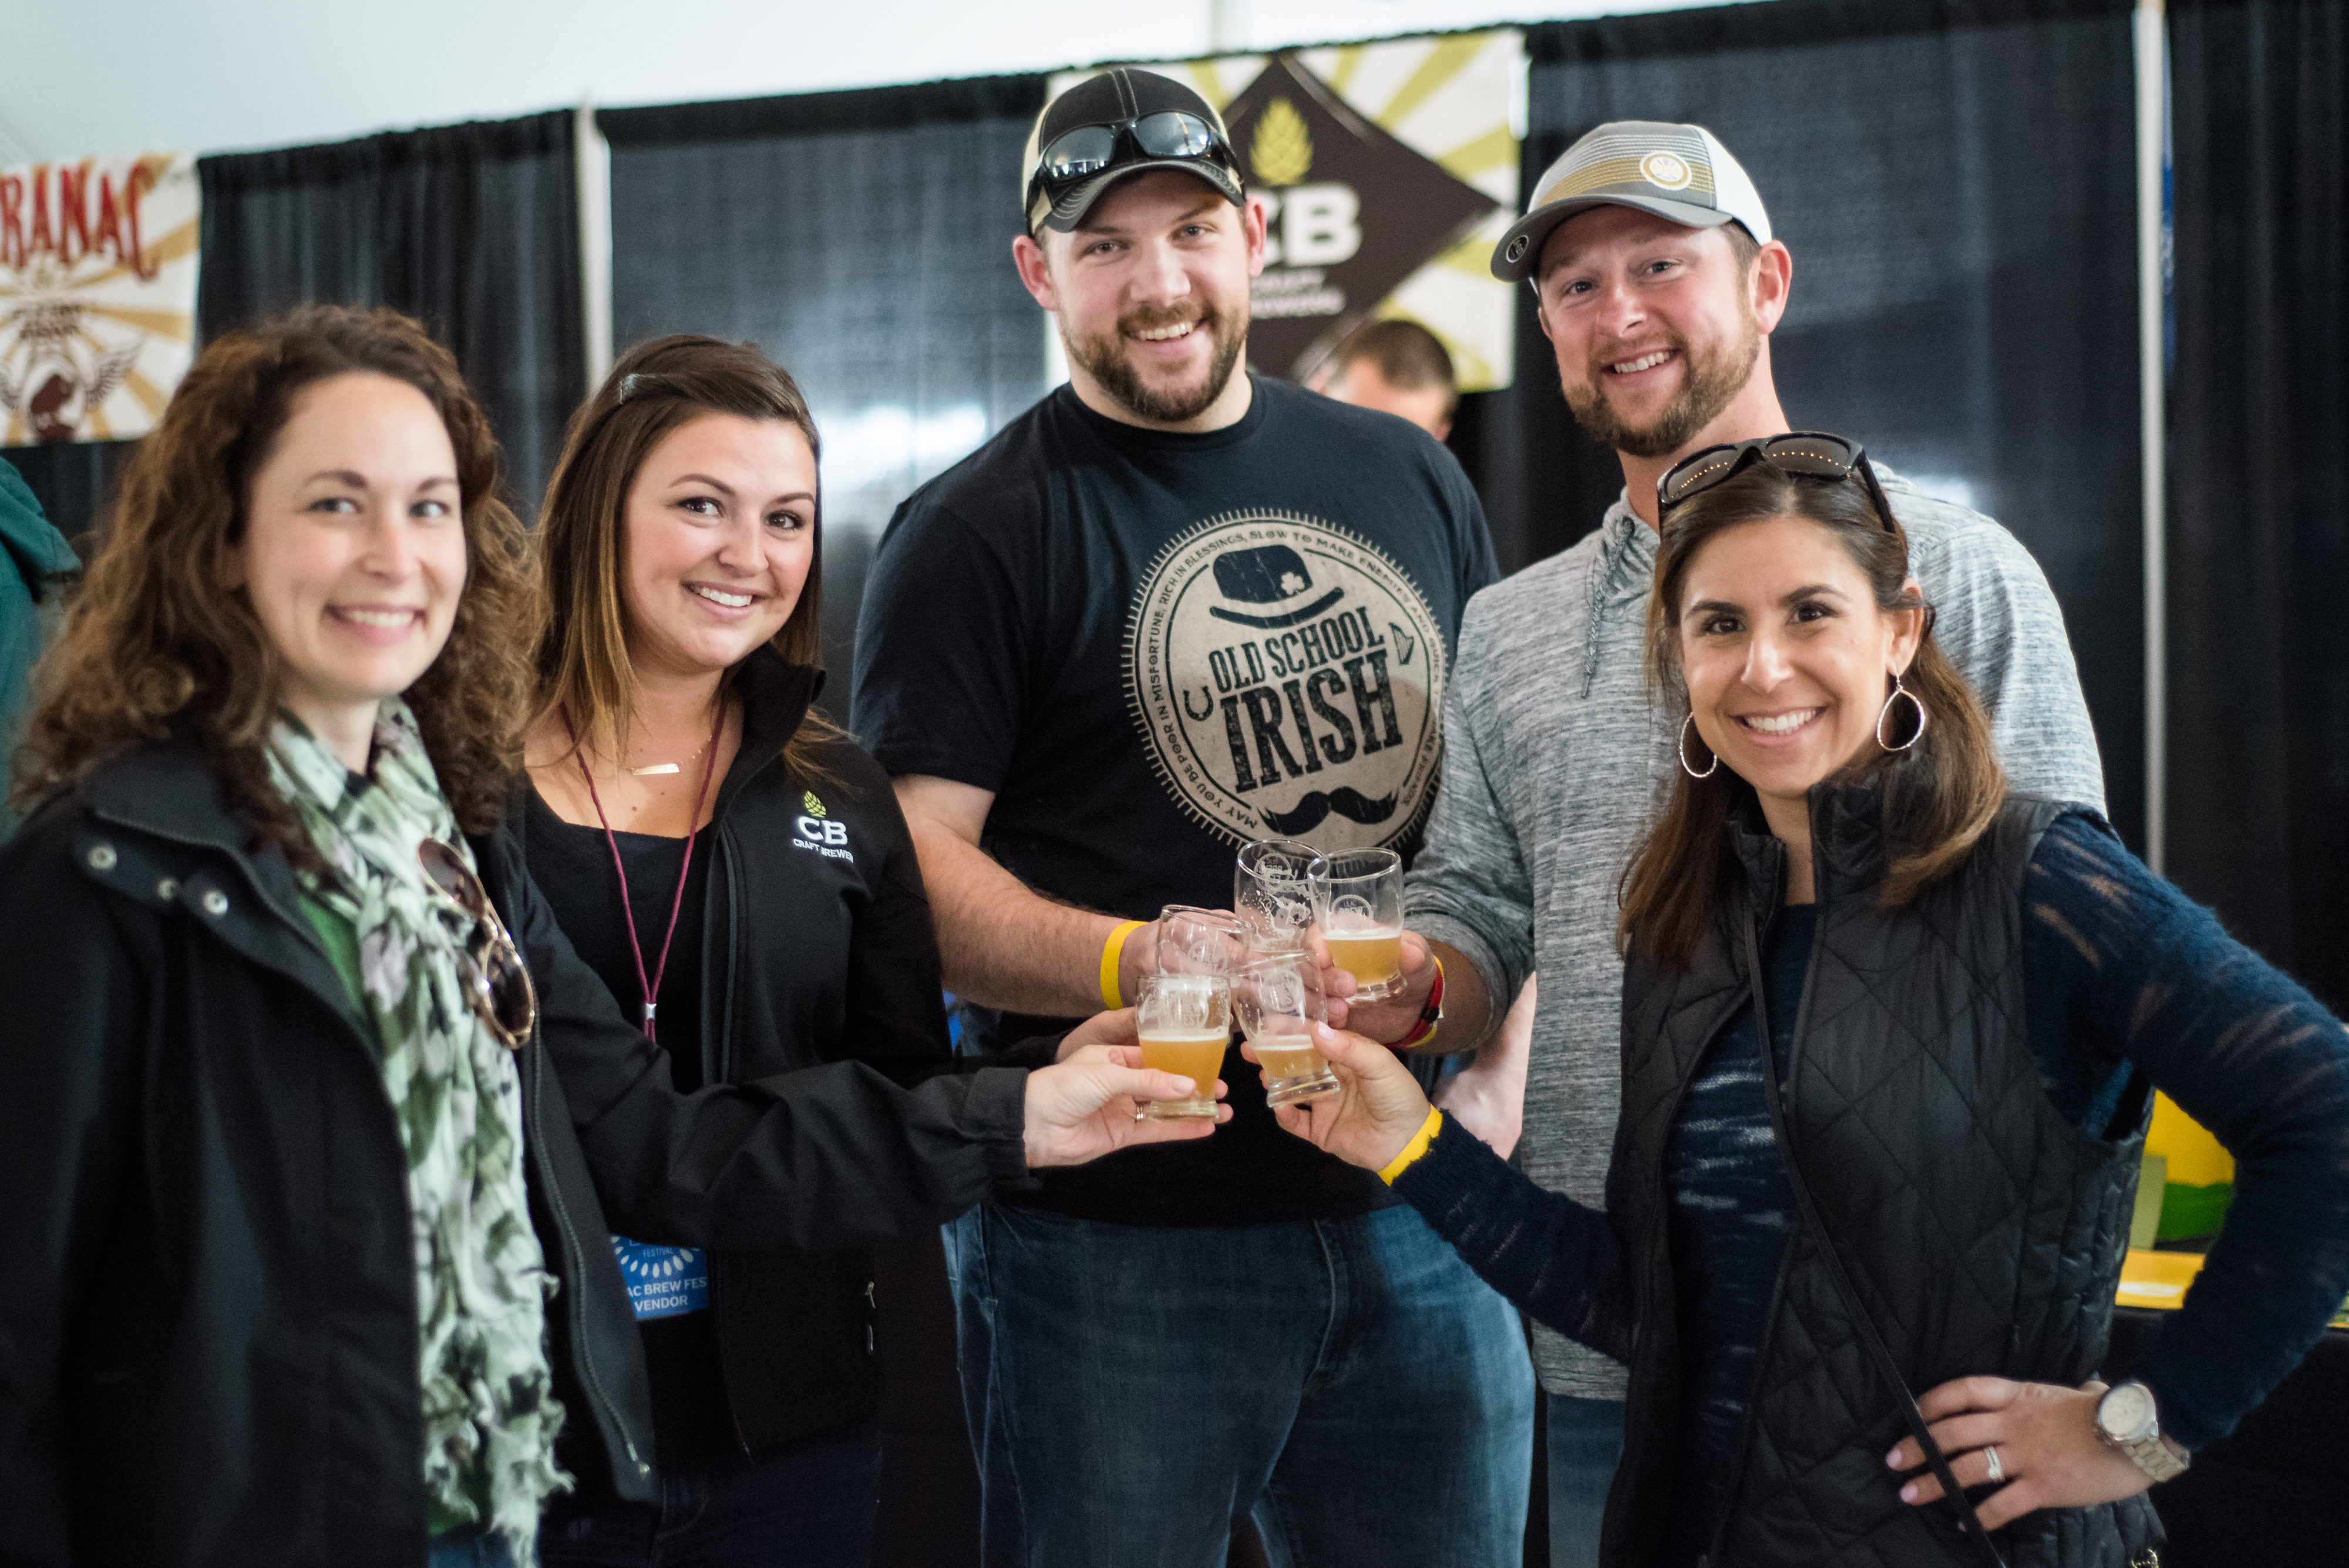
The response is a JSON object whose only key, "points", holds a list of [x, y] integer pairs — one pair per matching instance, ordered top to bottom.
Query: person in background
{"points": [[1658, 283], [1398, 367], [1401, 368], [34, 557], [1173, 607], [736, 871], [1890, 1034], [314, 1118]]}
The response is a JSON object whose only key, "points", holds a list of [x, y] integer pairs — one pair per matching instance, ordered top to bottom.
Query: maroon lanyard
{"points": [[651, 988]]}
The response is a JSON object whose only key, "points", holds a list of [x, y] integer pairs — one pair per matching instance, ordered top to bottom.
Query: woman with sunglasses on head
{"points": [[738, 872], [1890, 1035], [314, 1120]]}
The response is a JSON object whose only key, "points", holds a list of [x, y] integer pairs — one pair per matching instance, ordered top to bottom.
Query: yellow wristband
{"points": [[1112, 951], [1415, 1148]]}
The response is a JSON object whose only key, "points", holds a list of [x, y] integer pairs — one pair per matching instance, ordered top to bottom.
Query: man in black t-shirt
{"points": [[1171, 608]]}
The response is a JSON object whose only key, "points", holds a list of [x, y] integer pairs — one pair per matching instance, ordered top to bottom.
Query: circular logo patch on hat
{"points": [[1667, 169], [1518, 247], [1288, 678]]}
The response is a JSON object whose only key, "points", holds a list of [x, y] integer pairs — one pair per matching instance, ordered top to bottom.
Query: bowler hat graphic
{"points": [[1272, 575]]}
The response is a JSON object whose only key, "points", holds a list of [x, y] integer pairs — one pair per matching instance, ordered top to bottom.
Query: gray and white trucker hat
{"points": [[1677, 171]]}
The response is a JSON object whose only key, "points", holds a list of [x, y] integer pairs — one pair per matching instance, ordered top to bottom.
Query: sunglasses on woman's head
{"points": [[1805, 454], [497, 982]]}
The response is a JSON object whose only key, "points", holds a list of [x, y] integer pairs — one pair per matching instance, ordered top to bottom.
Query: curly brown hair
{"points": [[154, 652]]}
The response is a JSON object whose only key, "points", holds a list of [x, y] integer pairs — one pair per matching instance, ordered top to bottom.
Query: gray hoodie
{"points": [[1554, 761]]}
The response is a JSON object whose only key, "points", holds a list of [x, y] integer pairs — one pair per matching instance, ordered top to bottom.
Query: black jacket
{"points": [[816, 947], [1982, 1232], [208, 1352]]}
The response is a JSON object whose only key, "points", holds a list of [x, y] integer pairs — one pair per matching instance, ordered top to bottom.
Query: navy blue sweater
{"points": [[2121, 973]]}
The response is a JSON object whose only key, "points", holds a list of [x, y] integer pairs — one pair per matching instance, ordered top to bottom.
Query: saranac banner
{"points": [[97, 295]]}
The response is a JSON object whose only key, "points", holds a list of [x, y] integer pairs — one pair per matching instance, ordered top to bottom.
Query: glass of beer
{"points": [[1269, 890], [1357, 900], [1191, 941], [1278, 1001], [1186, 1023]]}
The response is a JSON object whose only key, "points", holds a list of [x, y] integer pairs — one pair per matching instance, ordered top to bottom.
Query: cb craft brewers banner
{"points": [[1390, 171], [97, 295]]}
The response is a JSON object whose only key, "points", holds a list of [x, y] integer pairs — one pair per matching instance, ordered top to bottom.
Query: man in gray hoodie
{"points": [[1658, 284]]}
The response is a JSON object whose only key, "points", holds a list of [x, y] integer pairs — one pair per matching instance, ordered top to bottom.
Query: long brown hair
{"points": [[154, 650], [583, 666], [1939, 793]]}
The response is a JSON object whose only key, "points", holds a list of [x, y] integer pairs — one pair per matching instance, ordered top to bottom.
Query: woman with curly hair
{"points": [[315, 1125]]}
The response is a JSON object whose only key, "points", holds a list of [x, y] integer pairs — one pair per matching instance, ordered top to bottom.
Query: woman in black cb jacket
{"points": [[739, 873]]}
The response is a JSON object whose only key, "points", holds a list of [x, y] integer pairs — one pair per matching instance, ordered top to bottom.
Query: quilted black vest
{"points": [[1982, 1232]]}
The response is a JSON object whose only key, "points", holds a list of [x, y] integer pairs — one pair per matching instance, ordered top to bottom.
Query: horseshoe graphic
{"points": [[1206, 697]]}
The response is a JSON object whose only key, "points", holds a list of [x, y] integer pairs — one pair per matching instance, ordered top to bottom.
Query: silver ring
{"points": [[1137, 1114], [1997, 1470]]}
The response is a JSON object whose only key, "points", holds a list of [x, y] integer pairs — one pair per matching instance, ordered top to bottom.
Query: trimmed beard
{"points": [[1104, 359], [1713, 382]]}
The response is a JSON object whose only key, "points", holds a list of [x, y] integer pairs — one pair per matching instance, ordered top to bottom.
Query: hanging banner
{"points": [[1389, 171], [97, 295]]}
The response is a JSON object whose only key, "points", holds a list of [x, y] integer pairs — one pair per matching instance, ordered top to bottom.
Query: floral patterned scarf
{"points": [[481, 1282]]}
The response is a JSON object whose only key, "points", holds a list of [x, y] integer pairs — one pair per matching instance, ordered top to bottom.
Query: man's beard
{"points": [[1104, 359], [1708, 387]]}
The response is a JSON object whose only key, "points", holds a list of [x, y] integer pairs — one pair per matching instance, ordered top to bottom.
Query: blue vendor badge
{"points": [[663, 1281]]}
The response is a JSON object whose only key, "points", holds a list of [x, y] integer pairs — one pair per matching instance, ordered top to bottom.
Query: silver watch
{"points": [[2125, 1420]]}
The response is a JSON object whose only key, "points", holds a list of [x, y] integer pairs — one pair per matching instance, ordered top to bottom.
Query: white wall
{"points": [[170, 74]]}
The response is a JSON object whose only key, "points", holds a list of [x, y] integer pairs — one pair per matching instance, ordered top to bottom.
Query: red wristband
{"points": [[1432, 1013]]}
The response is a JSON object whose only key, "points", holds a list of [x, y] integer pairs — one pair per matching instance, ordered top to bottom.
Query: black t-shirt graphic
{"points": [[1153, 647]]}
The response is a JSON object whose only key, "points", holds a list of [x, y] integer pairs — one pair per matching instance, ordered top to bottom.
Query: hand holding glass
{"points": [[1357, 900], [1280, 1001], [1186, 1023]]}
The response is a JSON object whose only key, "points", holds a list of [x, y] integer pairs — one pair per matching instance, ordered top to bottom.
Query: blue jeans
{"points": [[1133, 1390], [1586, 1444], [810, 1507]]}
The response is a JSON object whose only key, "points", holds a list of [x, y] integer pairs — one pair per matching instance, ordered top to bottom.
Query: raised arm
{"points": [[1003, 944]]}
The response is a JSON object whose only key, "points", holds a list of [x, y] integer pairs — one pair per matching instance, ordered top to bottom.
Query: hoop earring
{"points": [[1897, 693], [1711, 769]]}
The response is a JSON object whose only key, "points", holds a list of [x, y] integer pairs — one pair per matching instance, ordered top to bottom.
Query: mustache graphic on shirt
{"points": [[1311, 811]]}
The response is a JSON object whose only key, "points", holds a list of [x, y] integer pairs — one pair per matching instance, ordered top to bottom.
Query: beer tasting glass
{"points": [[1270, 892], [1357, 900], [1193, 941], [1278, 1001], [1185, 1022]]}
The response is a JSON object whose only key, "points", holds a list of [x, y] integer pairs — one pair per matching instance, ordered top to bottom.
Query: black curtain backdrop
{"points": [[1957, 184], [474, 228], [864, 240], [2259, 499]]}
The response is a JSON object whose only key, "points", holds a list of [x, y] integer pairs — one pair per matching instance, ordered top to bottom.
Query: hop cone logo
{"points": [[1281, 151], [814, 807]]}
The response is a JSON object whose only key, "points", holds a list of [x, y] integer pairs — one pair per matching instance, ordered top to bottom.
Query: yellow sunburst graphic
{"points": [[1281, 151]]}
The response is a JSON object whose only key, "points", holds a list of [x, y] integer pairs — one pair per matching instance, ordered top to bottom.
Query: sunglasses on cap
{"points": [[1084, 150], [1805, 454], [495, 979]]}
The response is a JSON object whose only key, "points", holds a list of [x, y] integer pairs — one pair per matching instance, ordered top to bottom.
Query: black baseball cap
{"points": [[1121, 122]]}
